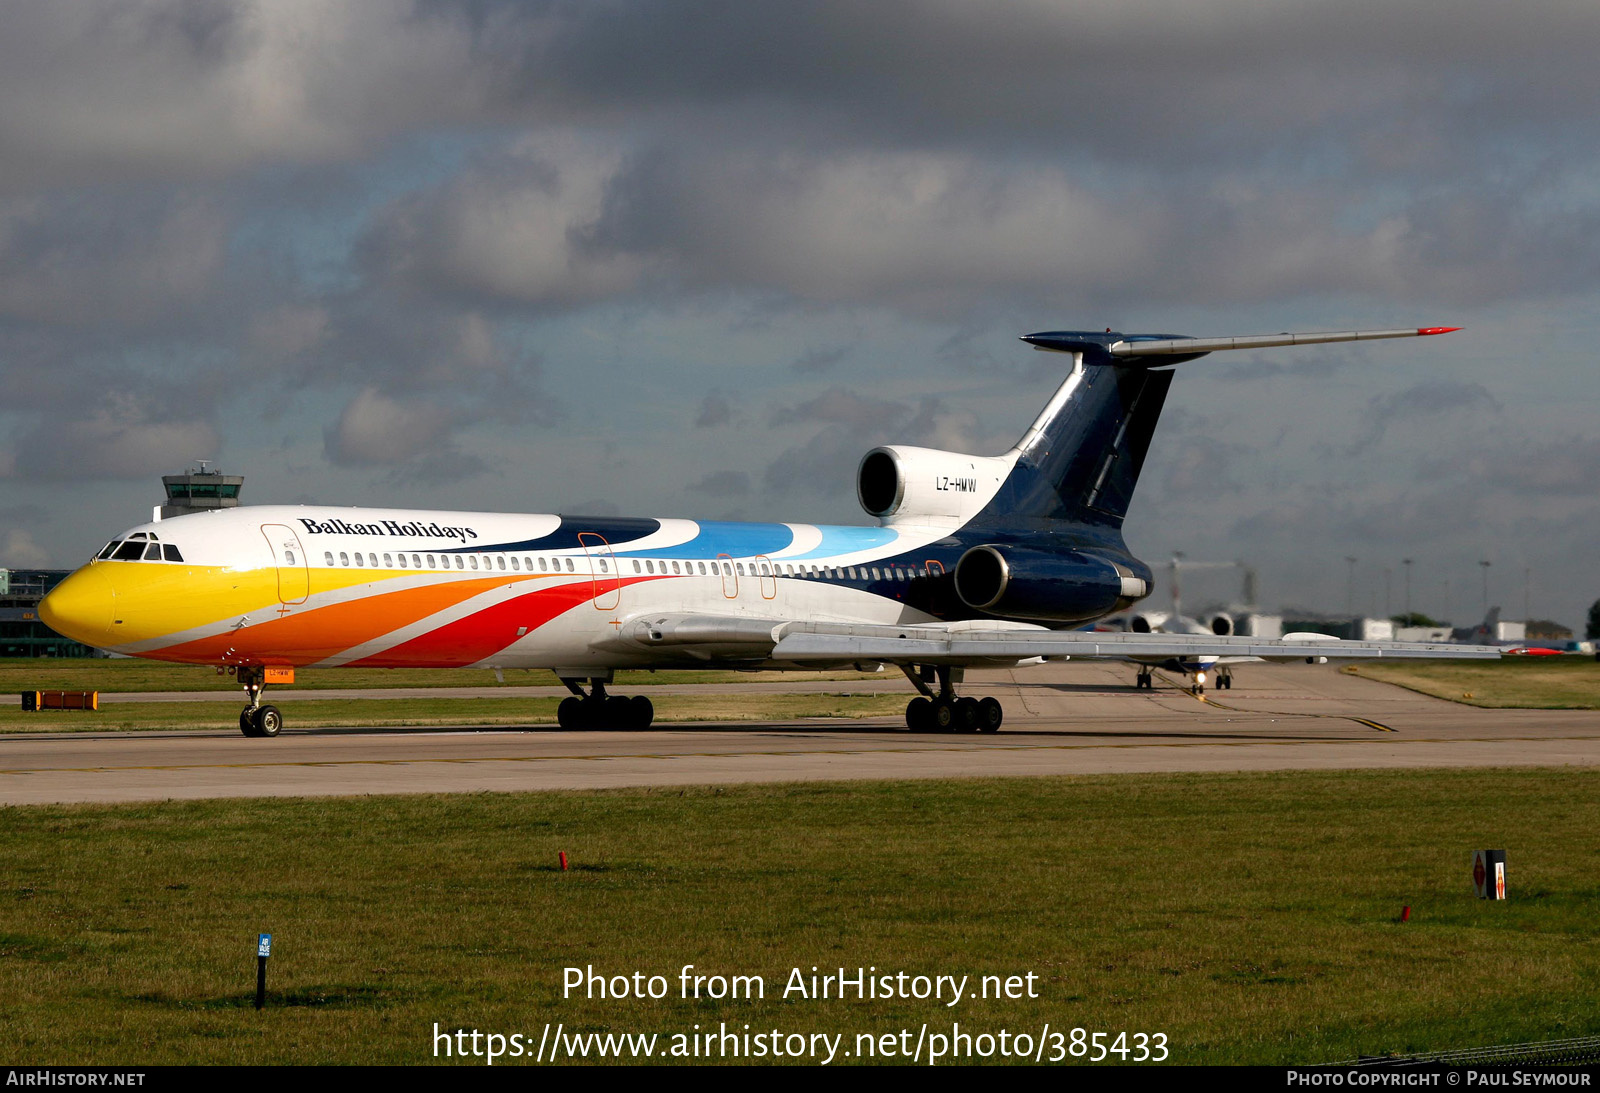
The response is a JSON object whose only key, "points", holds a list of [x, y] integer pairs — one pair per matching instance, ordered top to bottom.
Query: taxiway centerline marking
{"points": [[758, 754]]}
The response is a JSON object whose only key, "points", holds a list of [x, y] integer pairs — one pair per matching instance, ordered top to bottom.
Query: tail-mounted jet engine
{"points": [[902, 485], [1016, 582]]}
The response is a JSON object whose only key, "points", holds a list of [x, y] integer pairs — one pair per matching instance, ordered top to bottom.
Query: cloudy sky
{"points": [[694, 258]]}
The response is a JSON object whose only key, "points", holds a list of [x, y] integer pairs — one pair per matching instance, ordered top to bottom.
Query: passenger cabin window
{"points": [[327, 557], [344, 558], [358, 558], [372, 559], [402, 560], [474, 561], [502, 561], [388, 562], [459, 563], [516, 564], [569, 566]]}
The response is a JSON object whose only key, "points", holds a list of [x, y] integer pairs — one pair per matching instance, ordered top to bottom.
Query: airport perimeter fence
{"points": [[1577, 1052]]}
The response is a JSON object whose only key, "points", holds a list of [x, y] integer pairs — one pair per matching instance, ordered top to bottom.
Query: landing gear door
{"points": [[289, 555], [603, 568]]}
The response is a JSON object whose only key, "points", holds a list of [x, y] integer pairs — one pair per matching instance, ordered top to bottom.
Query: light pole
{"points": [[1407, 563], [1485, 566], [1350, 587]]}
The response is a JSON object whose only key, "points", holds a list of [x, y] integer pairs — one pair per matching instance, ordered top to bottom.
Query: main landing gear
{"points": [[1144, 681], [598, 710], [944, 712], [257, 719]]}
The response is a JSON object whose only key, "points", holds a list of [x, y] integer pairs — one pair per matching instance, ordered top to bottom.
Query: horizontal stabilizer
{"points": [[1167, 347], [1177, 348]]}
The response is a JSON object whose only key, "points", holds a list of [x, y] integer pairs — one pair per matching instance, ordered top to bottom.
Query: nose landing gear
{"points": [[944, 712], [257, 719]]}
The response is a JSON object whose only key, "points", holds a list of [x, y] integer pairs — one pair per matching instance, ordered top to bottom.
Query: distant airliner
{"points": [[973, 561]]}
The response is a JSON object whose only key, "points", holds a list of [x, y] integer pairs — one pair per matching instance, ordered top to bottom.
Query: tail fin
{"points": [[1080, 460]]}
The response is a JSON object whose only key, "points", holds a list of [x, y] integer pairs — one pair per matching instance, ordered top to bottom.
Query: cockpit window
{"points": [[130, 550], [105, 551], [170, 552], [152, 553]]}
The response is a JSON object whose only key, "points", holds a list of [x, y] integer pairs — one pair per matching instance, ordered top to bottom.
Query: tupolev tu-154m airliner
{"points": [[976, 561]]}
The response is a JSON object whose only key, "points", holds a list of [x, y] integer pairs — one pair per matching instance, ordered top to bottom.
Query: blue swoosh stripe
{"points": [[735, 540], [846, 540]]}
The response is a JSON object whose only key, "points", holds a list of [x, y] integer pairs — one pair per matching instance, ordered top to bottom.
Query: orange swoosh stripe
{"points": [[305, 637]]}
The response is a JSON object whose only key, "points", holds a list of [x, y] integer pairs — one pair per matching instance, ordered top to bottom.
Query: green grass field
{"points": [[130, 675], [1541, 683], [443, 711], [1251, 918]]}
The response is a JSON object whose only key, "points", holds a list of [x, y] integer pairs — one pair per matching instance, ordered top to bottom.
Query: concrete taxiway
{"points": [[1077, 718]]}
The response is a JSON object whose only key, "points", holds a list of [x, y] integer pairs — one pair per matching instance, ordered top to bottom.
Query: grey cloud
{"points": [[200, 88], [511, 228], [90, 259], [819, 360], [1432, 398], [840, 406], [714, 410], [376, 429], [118, 437], [825, 463], [1202, 464], [1568, 467], [723, 484], [592, 507]]}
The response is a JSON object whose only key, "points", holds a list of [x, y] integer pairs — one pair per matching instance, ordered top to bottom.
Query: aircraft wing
{"points": [[712, 638]]}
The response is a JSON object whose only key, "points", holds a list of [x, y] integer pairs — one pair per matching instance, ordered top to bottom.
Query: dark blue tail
{"points": [[1080, 460]]}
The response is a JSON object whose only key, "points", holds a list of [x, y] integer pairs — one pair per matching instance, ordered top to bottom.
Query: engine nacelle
{"points": [[901, 485], [1016, 582], [1148, 622], [1222, 624]]}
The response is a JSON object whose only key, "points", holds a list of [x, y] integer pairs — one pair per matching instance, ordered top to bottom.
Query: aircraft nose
{"points": [[81, 607]]}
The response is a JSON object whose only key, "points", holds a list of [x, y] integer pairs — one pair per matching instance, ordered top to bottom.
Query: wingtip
{"points": [[1424, 331]]}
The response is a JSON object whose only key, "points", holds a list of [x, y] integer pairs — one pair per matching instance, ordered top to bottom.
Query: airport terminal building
{"points": [[21, 632]]}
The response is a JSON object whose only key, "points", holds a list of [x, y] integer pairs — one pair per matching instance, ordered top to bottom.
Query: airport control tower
{"points": [[198, 490]]}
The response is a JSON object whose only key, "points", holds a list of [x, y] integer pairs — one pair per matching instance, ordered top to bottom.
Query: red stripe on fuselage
{"points": [[471, 639]]}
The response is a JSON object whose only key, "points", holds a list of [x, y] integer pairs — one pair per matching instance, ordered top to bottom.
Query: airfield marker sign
{"points": [[1489, 873], [263, 950]]}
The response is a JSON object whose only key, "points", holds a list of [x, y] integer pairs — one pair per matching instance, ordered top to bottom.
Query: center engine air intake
{"points": [[904, 485], [1015, 582]]}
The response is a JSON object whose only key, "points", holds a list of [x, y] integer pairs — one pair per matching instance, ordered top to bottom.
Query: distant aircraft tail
{"points": [[1481, 634]]}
